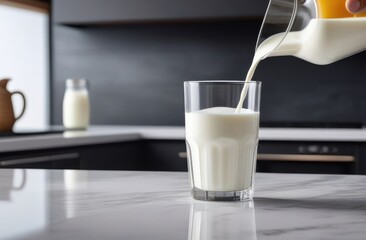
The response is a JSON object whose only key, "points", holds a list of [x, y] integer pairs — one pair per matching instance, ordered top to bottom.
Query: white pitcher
{"points": [[318, 31]]}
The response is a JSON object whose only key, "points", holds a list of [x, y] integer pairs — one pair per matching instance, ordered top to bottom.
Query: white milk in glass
{"points": [[223, 146]]}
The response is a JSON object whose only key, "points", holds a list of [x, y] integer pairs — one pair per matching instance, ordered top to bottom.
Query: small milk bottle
{"points": [[76, 110]]}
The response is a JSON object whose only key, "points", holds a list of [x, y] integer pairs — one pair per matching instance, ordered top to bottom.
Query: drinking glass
{"points": [[221, 144]]}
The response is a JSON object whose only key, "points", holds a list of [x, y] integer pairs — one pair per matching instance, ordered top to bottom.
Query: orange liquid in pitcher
{"points": [[335, 9]]}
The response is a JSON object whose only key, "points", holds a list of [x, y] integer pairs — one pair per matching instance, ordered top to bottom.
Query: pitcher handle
{"points": [[24, 103], [24, 180]]}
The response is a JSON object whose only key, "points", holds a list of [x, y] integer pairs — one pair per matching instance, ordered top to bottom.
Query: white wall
{"points": [[24, 59]]}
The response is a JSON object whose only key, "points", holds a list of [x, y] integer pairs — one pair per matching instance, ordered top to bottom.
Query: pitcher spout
{"points": [[4, 83]]}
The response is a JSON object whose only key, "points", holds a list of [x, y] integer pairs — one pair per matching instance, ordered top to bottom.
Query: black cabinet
{"points": [[112, 11], [144, 155], [154, 155], [164, 155], [170, 155], [113, 156], [274, 156], [310, 157], [361, 164]]}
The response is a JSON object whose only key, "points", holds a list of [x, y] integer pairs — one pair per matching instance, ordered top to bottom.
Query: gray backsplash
{"points": [[136, 73]]}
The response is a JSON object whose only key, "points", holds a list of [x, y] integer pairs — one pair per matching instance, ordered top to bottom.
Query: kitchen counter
{"points": [[110, 134], [70, 204]]}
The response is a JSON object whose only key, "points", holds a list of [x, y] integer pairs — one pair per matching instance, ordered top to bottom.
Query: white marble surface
{"points": [[110, 134], [69, 204]]}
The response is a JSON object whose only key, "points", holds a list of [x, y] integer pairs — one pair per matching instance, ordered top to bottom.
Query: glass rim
{"points": [[223, 81]]}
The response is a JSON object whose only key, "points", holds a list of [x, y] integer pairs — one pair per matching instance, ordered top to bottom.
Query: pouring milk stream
{"points": [[332, 35]]}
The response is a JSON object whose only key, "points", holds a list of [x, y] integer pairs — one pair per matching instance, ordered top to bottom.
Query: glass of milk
{"points": [[221, 142]]}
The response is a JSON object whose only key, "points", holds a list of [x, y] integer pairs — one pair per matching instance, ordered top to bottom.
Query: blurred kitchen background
{"points": [[141, 51], [137, 53]]}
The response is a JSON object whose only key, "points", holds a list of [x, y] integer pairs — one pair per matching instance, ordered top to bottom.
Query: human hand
{"points": [[356, 6]]}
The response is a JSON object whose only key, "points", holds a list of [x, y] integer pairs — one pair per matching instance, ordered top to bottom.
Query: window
{"points": [[24, 59]]}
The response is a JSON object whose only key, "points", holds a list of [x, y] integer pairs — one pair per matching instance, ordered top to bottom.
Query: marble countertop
{"points": [[110, 134], [70, 204]]}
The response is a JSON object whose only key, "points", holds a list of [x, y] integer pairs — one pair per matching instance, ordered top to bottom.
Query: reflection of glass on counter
{"points": [[73, 179], [213, 220]]}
